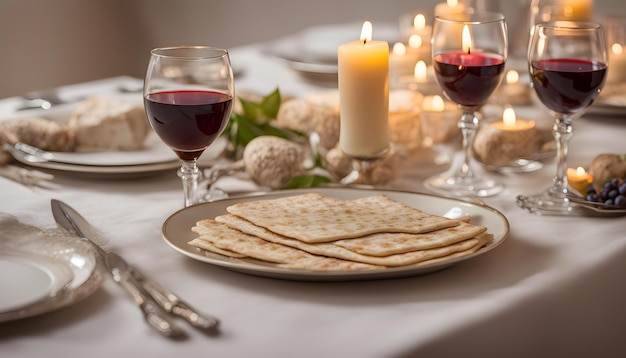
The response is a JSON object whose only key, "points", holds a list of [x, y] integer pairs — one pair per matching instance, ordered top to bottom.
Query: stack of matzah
{"points": [[316, 232]]}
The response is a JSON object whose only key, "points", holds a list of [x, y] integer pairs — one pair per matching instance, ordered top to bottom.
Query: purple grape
{"points": [[620, 200]]}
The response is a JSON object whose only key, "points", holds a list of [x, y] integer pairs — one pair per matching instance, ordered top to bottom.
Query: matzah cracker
{"points": [[315, 218], [228, 238], [384, 244], [208, 246], [332, 250]]}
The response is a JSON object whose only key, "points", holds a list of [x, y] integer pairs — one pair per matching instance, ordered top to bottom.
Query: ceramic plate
{"points": [[154, 157], [177, 232], [49, 270]]}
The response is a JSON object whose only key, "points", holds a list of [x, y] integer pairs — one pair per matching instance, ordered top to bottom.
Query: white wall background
{"points": [[47, 43]]}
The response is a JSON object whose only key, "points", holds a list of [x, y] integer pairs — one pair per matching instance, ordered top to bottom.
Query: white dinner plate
{"points": [[154, 157], [177, 233], [50, 269], [26, 280]]}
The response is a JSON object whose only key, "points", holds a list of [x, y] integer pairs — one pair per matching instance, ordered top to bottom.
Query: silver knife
{"points": [[74, 223], [167, 299]]}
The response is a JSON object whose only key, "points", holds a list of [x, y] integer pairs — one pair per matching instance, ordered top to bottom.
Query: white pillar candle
{"points": [[363, 68]]}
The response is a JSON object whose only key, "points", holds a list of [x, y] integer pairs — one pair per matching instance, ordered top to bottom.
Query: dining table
{"points": [[553, 287]]}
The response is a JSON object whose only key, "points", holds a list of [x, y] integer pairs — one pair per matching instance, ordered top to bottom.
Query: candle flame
{"points": [[419, 22], [366, 32], [466, 39], [415, 41], [399, 49], [616, 49], [420, 71], [512, 76], [438, 104], [508, 117], [580, 171]]}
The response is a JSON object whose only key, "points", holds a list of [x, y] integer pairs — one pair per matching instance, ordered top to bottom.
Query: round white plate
{"points": [[154, 157], [177, 232], [57, 269], [23, 282]]}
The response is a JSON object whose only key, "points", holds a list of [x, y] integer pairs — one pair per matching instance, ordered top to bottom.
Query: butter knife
{"points": [[156, 317]]}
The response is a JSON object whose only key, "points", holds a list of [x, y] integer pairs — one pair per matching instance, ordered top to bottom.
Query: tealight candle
{"points": [[617, 64], [363, 71], [515, 93], [439, 120], [499, 143], [578, 179]]}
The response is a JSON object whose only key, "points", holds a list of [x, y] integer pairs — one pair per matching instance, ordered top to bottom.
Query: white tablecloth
{"points": [[554, 288]]}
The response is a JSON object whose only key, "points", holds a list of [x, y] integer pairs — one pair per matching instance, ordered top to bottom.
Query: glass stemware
{"points": [[469, 55], [567, 64], [188, 96]]}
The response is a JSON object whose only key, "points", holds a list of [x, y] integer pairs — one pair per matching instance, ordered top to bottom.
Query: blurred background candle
{"points": [[450, 7], [577, 10], [415, 23], [615, 31], [420, 48], [401, 64], [363, 68], [424, 79], [515, 93], [439, 120]]}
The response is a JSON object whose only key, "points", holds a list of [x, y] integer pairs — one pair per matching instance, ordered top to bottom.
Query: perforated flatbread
{"points": [[315, 218], [204, 228], [227, 238], [384, 244], [209, 246]]}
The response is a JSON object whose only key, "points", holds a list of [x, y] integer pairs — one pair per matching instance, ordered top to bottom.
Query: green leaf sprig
{"points": [[254, 121]]}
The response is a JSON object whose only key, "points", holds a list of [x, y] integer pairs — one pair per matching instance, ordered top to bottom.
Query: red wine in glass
{"points": [[468, 79], [567, 85], [188, 120]]}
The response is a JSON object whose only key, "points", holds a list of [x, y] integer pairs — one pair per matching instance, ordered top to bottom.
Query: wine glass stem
{"points": [[468, 125], [562, 131], [190, 174]]}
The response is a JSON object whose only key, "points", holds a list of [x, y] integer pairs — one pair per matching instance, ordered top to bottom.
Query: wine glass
{"points": [[469, 55], [567, 64], [188, 95]]}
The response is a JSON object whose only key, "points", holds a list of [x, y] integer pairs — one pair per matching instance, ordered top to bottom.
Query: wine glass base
{"points": [[463, 186], [547, 202]]}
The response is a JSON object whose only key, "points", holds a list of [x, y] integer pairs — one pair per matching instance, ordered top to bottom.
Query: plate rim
{"points": [[266, 270], [75, 290]]}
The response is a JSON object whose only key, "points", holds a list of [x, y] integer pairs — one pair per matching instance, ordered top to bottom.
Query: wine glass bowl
{"points": [[469, 56], [567, 65], [188, 95]]}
